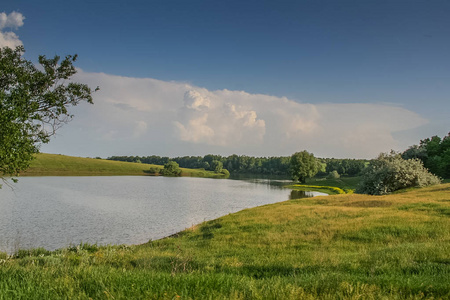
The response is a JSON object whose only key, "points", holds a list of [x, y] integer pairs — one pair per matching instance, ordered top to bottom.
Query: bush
{"points": [[171, 169], [153, 170], [390, 172], [333, 175]]}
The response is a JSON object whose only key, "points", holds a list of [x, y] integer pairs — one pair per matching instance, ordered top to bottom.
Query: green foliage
{"points": [[33, 104], [434, 152], [236, 164], [303, 165], [216, 166], [349, 167], [171, 168], [153, 170], [390, 172], [225, 173], [333, 175]]}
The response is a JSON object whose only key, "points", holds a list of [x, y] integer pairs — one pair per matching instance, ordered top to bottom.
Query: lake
{"points": [[56, 212]]}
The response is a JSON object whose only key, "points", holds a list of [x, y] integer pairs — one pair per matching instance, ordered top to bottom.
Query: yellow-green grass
{"points": [[63, 165], [348, 184], [343, 185], [330, 190], [334, 247]]}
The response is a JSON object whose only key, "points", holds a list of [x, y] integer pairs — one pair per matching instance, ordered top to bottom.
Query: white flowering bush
{"points": [[390, 172]]}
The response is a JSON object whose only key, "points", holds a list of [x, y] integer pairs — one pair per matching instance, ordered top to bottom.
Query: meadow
{"points": [[63, 165], [346, 246]]}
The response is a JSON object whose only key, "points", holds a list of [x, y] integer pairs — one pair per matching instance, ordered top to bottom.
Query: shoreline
{"points": [[345, 246]]}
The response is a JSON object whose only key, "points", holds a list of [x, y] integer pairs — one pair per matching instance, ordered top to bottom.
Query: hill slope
{"points": [[62, 165]]}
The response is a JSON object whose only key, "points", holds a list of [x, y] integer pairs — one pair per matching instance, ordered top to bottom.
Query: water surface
{"points": [[55, 212]]}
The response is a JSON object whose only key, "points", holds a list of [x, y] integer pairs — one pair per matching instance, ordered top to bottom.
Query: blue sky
{"points": [[329, 57]]}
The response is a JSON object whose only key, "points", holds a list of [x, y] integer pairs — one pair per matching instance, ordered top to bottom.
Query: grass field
{"points": [[62, 165], [334, 247]]}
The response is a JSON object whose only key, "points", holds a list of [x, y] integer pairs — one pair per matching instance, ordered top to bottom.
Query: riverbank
{"points": [[63, 165], [343, 185], [342, 246]]}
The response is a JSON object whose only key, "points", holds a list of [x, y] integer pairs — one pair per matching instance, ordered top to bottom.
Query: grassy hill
{"points": [[62, 165], [334, 247]]}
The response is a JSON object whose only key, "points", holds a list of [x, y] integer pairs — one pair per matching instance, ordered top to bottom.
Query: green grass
{"points": [[62, 165], [349, 183], [343, 185], [330, 190], [335, 247]]}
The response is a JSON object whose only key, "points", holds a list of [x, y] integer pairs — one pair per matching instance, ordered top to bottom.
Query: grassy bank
{"points": [[62, 165], [343, 185], [334, 247]]}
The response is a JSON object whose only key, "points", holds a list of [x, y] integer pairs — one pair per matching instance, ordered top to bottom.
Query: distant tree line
{"points": [[243, 164], [418, 166], [349, 167]]}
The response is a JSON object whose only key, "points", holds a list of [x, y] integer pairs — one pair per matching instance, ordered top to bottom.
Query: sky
{"points": [[343, 79]]}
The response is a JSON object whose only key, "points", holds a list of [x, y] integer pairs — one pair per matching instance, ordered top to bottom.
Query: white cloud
{"points": [[13, 20], [9, 39], [194, 100], [135, 116], [206, 118], [195, 130]]}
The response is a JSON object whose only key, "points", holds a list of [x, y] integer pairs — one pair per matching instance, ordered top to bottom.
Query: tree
{"points": [[34, 103], [434, 152], [303, 165], [216, 166], [171, 168], [390, 172]]}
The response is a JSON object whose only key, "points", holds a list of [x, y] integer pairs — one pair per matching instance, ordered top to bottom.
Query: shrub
{"points": [[171, 168], [153, 170], [390, 172], [333, 175]]}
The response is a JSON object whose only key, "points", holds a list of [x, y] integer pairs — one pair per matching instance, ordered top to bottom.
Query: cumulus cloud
{"points": [[13, 20], [194, 100], [143, 116], [207, 118]]}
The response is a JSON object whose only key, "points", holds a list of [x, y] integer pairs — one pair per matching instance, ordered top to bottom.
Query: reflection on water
{"points": [[268, 177], [272, 182], [304, 194], [55, 212]]}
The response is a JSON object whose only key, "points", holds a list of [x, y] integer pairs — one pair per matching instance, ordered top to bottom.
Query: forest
{"points": [[433, 152], [243, 164]]}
